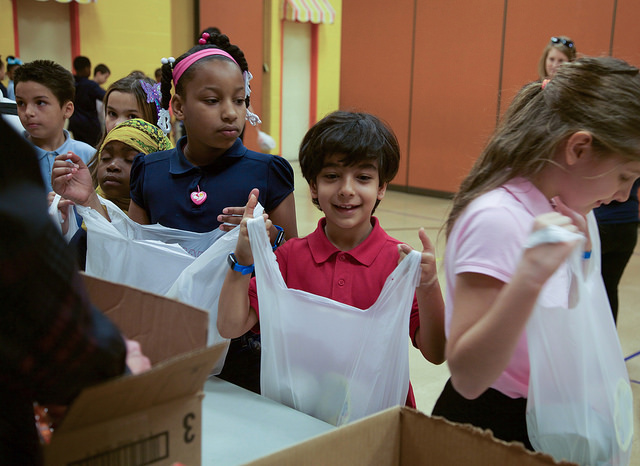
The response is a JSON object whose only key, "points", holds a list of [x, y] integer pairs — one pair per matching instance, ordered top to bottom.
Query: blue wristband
{"points": [[279, 237], [586, 255], [233, 264]]}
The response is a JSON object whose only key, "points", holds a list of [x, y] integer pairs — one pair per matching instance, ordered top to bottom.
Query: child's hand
{"points": [[71, 179], [63, 210], [230, 217], [578, 220], [243, 252], [541, 261], [429, 273], [136, 361]]}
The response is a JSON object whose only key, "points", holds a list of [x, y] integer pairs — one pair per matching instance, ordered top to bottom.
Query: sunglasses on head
{"points": [[560, 40]]}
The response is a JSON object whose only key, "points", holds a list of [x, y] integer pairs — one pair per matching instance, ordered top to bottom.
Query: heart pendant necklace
{"points": [[198, 197]]}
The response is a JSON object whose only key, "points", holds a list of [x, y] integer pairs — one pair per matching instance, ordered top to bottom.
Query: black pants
{"points": [[618, 241], [242, 366], [506, 417]]}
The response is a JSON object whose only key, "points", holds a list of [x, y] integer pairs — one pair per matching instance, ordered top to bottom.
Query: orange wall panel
{"points": [[530, 27], [245, 29], [626, 38], [375, 74], [443, 83], [455, 85]]}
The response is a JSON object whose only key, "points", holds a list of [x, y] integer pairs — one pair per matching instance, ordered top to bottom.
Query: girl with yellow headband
{"points": [[116, 154], [111, 175]]}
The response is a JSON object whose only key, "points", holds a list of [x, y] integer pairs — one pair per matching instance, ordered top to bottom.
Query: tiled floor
{"points": [[401, 215]]}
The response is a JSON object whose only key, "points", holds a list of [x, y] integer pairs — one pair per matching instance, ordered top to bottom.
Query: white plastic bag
{"points": [[56, 216], [149, 257], [153, 258], [200, 283], [331, 360], [579, 405]]}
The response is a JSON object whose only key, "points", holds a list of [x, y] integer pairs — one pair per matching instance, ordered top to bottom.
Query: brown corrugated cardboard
{"points": [[163, 327], [154, 417], [401, 436]]}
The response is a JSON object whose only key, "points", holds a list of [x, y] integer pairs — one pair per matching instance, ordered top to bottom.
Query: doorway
{"points": [[296, 86]]}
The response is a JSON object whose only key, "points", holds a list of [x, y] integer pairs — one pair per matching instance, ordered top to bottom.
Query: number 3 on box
{"points": [[188, 436]]}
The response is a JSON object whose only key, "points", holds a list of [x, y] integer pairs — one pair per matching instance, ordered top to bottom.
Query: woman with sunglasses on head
{"points": [[559, 50]]}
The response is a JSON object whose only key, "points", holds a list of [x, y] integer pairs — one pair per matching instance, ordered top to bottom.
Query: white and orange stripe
{"points": [[308, 11]]}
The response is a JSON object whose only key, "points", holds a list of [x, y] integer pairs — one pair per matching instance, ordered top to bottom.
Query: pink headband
{"points": [[185, 63]]}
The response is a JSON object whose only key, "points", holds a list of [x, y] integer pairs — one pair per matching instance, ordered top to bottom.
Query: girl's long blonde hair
{"points": [[598, 95]]}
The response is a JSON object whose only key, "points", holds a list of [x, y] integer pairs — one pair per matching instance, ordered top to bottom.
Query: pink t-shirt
{"points": [[488, 238], [354, 277]]}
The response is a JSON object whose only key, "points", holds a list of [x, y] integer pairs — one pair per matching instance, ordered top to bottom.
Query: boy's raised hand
{"points": [[71, 179], [243, 247], [429, 272]]}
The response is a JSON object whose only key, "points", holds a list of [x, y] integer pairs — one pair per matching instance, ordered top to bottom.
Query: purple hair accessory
{"points": [[152, 90], [154, 95]]}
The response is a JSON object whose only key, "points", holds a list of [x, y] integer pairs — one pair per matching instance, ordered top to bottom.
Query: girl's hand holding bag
{"points": [[60, 221], [580, 404]]}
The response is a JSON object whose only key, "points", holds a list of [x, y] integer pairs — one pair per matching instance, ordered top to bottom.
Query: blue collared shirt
{"points": [[45, 158]]}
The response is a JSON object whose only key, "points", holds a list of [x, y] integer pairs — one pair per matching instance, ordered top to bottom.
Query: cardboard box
{"points": [[151, 418], [402, 436]]}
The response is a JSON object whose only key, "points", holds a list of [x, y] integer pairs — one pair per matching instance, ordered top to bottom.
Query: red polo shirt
{"points": [[354, 277]]}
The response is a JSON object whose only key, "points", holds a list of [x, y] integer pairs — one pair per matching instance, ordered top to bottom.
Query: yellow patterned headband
{"points": [[139, 134]]}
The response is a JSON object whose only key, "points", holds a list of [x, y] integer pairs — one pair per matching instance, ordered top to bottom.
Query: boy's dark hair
{"points": [[215, 41], [82, 65], [101, 68], [54, 77], [357, 137]]}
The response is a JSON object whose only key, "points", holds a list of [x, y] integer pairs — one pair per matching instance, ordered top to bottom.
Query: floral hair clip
{"points": [[247, 77], [544, 83], [154, 95], [251, 117]]}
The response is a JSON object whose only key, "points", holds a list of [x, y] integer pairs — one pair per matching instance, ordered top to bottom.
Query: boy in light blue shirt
{"points": [[44, 96]]}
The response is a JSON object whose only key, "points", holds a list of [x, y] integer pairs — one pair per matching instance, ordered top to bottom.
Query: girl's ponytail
{"points": [[166, 80]]}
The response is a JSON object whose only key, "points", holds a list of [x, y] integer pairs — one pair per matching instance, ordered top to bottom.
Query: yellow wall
{"points": [[183, 22], [126, 35], [329, 38], [7, 45], [271, 97]]}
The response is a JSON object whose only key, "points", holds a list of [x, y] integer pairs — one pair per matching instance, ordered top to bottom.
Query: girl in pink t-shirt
{"points": [[565, 146]]}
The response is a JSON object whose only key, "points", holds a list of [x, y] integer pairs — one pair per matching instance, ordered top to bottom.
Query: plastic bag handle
{"points": [[55, 214]]}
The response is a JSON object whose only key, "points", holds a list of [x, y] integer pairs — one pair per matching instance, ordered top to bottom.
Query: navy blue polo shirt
{"points": [[162, 183], [620, 212]]}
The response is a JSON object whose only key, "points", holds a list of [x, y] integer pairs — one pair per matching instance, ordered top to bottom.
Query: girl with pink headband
{"points": [[196, 185]]}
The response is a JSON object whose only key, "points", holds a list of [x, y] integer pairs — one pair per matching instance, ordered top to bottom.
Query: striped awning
{"points": [[308, 11]]}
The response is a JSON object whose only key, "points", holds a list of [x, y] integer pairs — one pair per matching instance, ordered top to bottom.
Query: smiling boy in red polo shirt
{"points": [[348, 159]]}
